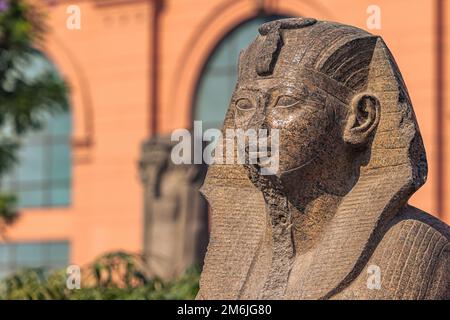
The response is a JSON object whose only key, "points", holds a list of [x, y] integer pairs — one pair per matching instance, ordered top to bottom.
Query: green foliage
{"points": [[21, 24], [24, 96], [8, 207], [114, 276], [33, 284]]}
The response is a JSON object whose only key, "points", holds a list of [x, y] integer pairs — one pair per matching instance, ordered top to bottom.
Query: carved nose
{"points": [[258, 121], [264, 126]]}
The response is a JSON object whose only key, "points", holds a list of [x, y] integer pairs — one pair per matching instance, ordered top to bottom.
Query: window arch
{"points": [[219, 75], [42, 176]]}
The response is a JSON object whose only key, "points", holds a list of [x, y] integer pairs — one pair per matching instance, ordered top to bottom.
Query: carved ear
{"points": [[363, 119]]}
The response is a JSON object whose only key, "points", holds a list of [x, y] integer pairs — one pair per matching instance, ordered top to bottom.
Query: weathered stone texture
{"points": [[351, 155]]}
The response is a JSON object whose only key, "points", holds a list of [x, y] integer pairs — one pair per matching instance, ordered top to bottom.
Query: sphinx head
{"points": [[310, 80]]}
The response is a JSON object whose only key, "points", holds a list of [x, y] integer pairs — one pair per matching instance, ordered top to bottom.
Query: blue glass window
{"points": [[42, 177], [45, 255]]}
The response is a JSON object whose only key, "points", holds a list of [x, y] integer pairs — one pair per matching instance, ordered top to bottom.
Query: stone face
{"points": [[175, 213], [334, 222]]}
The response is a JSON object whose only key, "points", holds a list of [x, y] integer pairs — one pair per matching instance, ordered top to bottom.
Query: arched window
{"points": [[220, 73], [42, 176]]}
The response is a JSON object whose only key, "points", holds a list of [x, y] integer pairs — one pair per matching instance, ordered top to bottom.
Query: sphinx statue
{"points": [[334, 221]]}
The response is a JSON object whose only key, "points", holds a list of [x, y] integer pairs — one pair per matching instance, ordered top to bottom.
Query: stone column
{"points": [[175, 213]]}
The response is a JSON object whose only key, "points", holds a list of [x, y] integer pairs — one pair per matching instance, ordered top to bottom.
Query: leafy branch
{"points": [[26, 95]]}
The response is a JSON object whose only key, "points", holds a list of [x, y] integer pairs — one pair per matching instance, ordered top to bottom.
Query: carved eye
{"points": [[286, 101], [244, 104]]}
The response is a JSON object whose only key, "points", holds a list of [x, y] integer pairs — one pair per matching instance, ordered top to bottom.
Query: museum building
{"points": [[99, 178]]}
